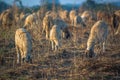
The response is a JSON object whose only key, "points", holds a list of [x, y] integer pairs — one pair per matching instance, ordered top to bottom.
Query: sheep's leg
{"points": [[43, 29], [47, 34], [52, 45], [56, 45], [104, 47], [18, 55], [22, 56], [28, 58]]}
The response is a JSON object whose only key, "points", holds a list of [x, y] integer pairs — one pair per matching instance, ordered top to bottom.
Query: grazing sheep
{"points": [[53, 14], [72, 14], [63, 15], [87, 15], [104, 15], [23, 16], [7, 18], [30, 20], [78, 21], [116, 21], [47, 24], [62, 24], [78, 25], [118, 30], [98, 34], [55, 35], [23, 42]]}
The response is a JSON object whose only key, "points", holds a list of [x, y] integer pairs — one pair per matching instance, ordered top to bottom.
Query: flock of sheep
{"points": [[56, 26]]}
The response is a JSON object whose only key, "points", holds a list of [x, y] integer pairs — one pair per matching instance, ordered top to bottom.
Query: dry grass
{"points": [[68, 63]]}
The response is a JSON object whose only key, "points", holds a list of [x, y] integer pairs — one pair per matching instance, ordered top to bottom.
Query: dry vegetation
{"points": [[68, 63]]}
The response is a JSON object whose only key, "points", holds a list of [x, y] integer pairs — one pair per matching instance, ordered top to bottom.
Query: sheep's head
{"points": [[83, 24], [66, 33], [89, 53]]}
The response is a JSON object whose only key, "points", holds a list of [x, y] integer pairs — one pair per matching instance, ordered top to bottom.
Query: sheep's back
{"points": [[99, 30], [55, 33], [23, 39]]}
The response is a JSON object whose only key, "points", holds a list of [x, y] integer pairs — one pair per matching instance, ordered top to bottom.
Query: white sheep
{"points": [[53, 14], [72, 14], [63, 15], [87, 15], [23, 16], [7, 17], [30, 20], [78, 21], [116, 22], [47, 24], [63, 26], [118, 30], [56, 34], [98, 34], [23, 42]]}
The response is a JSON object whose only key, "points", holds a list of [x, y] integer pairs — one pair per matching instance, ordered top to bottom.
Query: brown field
{"points": [[68, 63]]}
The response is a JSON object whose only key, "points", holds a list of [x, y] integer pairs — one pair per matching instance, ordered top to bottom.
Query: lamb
{"points": [[53, 14], [72, 14], [63, 15], [87, 15], [104, 15], [23, 16], [7, 18], [30, 20], [78, 21], [116, 22], [47, 24], [63, 26], [118, 30], [58, 31], [98, 34], [55, 35], [23, 42]]}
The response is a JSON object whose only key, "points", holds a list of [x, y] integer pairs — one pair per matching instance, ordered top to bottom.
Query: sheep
{"points": [[53, 14], [72, 14], [63, 15], [87, 15], [104, 15], [23, 16], [7, 18], [30, 20], [78, 21], [116, 21], [60, 22], [47, 24], [79, 24], [63, 25], [59, 30], [118, 30], [98, 34], [55, 35], [23, 43]]}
